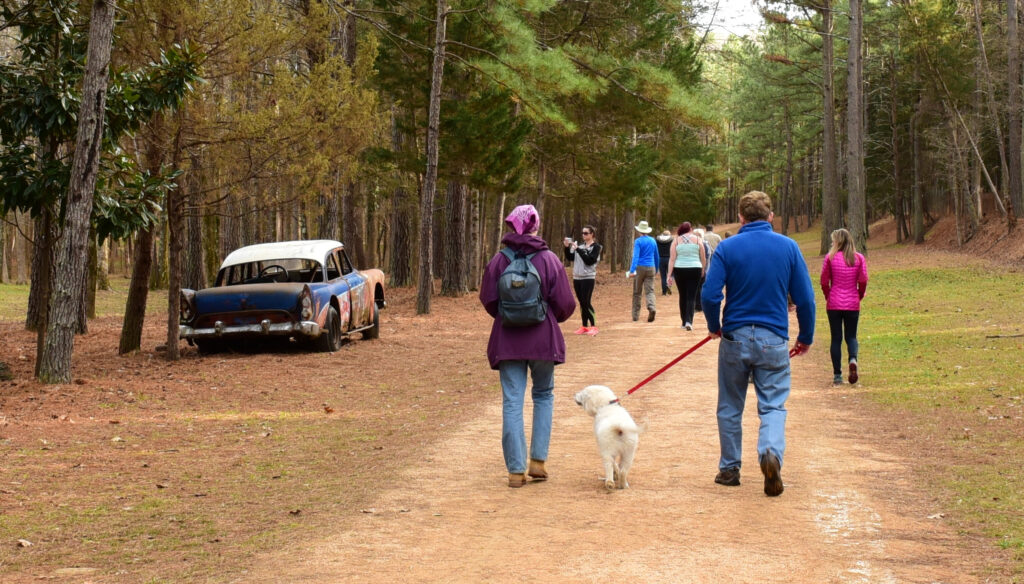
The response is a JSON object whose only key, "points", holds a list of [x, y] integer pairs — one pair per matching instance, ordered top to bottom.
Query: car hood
{"points": [[248, 297]]}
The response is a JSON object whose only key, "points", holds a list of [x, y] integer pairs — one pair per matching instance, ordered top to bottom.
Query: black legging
{"points": [[663, 272], [687, 280], [584, 292], [843, 325]]}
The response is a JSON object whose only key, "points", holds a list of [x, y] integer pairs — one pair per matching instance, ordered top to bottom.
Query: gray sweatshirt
{"points": [[584, 260]]}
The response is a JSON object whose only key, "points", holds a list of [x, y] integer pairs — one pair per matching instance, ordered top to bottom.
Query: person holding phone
{"points": [[584, 258]]}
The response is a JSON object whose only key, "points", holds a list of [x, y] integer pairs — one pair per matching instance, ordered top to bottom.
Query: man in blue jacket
{"points": [[644, 267], [761, 272]]}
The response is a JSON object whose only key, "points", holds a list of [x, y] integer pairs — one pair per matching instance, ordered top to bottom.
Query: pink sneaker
{"points": [[581, 331], [592, 331]]}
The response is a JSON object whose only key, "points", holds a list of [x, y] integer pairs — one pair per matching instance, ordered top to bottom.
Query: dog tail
{"points": [[631, 427]]}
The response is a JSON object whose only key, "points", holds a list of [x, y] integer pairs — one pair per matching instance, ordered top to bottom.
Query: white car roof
{"points": [[313, 249]]}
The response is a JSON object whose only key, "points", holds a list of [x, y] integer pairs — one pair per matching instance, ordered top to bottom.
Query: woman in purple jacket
{"points": [[844, 278], [515, 351]]}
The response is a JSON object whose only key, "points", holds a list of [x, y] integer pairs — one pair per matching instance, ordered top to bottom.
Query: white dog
{"points": [[617, 434]]}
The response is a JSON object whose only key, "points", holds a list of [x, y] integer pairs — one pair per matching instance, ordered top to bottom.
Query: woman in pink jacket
{"points": [[844, 278]]}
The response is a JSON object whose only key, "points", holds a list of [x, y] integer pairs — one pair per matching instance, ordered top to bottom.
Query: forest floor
{"points": [[382, 463]]}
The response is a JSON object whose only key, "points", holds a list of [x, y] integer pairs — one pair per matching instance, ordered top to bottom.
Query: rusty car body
{"points": [[308, 291]]}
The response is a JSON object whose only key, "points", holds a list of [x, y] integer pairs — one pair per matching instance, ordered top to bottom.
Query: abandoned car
{"points": [[305, 290]]}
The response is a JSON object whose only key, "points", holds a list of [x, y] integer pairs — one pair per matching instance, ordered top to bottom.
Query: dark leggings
{"points": [[663, 272], [687, 280], [584, 292], [838, 322]]}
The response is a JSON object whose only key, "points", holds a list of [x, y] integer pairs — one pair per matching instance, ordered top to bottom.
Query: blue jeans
{"points": [[742, 352], [513, 392]]}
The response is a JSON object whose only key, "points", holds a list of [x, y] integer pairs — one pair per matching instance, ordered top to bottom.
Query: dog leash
{"points": [[671, 363]]}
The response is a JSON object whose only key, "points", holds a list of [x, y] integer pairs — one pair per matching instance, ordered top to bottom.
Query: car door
{"points": [[339, 288], [361, 313]]}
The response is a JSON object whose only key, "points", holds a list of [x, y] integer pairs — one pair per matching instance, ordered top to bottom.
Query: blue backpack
{"points": [[520, 300]]}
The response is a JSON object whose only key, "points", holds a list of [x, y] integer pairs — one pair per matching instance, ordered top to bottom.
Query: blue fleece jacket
{"points": [[645, 253], [760, 271]]}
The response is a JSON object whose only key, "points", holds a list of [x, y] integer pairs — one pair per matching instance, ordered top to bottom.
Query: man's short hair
{"points": [[755, 206]]}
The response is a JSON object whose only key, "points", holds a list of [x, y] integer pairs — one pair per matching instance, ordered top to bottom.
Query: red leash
{"points": [[673, 362]]}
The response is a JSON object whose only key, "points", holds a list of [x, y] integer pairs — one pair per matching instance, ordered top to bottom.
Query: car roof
{"points": [[312, 249]]}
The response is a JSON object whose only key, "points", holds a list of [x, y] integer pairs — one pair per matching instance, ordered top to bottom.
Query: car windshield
{"points": [[271, 271]]}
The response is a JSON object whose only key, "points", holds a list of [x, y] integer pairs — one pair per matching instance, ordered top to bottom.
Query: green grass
{"points": [[14, 300], [939, 349]]}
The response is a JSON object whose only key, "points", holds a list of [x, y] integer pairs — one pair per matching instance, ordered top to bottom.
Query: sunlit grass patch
{"points": [[14, 300], [942, 347]]}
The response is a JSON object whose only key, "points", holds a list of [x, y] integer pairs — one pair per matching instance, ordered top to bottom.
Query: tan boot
{"points": [[537, 471], [516, 479]]}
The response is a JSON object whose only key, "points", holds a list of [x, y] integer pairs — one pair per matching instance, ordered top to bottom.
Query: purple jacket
{"points": [[843, 285], [542, 341]]}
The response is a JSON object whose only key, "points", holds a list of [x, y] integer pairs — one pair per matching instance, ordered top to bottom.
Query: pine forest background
{"points": [[408, 130]]}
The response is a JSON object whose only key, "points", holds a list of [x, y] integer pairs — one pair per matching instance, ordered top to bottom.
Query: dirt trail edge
{"points": [[848, 514]]}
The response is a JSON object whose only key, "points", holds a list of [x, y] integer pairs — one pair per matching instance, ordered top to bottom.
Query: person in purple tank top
{"points": [[844, 278]]}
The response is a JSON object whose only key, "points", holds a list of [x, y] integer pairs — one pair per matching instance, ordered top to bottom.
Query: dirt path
{"points": [[849, 513]]}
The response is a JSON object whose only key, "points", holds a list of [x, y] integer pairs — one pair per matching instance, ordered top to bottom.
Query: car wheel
{"points": [[374, 331], [330, 339]]}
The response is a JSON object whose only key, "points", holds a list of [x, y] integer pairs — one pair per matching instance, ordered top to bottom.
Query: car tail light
{"points": [[306, 304], [186, 306]]}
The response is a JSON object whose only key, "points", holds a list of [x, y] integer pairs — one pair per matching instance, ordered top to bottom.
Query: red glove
{"points": [[799, 349]]}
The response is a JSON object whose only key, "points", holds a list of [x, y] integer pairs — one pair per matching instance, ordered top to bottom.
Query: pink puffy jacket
{"points": [[844, 285]]}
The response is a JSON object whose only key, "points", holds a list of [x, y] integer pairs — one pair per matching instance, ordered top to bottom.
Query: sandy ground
{"points": [[850, 512]]}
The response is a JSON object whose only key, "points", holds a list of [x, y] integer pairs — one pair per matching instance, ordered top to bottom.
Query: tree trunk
{"points": [[990, 101], [1013, 104], [787, 181], [542, 185], [429, 191], [898, 204], [831, 212], [856, 212], [352, 224], [917, 227], [499, 232], [626, 236], [476, 239], [401, 240], [175, 245], [211, 245], [19, 261], [103, 266], [158, 270], [193, 272], [4, 277], [454, 279], [39, 290], [138, 291], [89, 294], [55, 362]]}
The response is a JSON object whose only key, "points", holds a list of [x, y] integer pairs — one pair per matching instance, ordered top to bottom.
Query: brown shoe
{"points": [[650, 315], [853, 372], [772, 469], [537, 471], [729, 477], [516, 479]]}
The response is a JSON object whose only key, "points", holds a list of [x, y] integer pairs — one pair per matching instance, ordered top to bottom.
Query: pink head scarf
{"points": [[523, 219]]}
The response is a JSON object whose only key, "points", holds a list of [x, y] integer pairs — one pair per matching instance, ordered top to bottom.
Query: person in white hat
{"points": [[644, 267]]}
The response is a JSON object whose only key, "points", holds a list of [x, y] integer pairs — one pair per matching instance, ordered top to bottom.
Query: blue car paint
{"points": [[247, 309]]}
